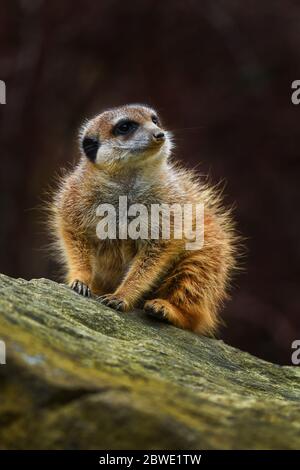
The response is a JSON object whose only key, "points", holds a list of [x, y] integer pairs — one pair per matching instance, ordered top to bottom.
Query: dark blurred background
{"points": [[219, 72]]}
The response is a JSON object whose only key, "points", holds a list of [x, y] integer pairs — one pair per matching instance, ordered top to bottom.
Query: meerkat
{"points": [[126, 151]]}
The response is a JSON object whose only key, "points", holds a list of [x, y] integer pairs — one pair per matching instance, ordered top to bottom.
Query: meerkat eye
{"points": [[155, 120], [125, 127], [90, 147]]}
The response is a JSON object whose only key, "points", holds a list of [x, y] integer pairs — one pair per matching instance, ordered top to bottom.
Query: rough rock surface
{"points": [[81, 376]]}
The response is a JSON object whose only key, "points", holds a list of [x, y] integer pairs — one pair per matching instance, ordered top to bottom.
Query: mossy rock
{"points": [[82, 376]]}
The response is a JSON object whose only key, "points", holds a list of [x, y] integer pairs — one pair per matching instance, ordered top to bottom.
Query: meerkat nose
{"points": [[159, 136]]}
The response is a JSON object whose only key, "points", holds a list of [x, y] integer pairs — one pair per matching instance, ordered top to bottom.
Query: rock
{"points": [[82, 376]]}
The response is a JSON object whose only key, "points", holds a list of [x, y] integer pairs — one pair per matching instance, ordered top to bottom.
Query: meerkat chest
{"points": [[117, 206]]}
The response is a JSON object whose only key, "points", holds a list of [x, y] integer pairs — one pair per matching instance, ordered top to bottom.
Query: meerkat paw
{"points": [[81, 288], [115, 302], [158, 308], [164, 310]]}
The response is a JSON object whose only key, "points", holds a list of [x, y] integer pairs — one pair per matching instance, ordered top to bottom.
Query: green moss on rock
{"points": [[82, 376]]}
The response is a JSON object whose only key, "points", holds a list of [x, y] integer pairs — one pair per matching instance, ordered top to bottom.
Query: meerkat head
{"points": [[131, 133]]}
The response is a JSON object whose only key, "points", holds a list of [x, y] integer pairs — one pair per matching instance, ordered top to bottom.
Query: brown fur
{"points": [[184, 287]]}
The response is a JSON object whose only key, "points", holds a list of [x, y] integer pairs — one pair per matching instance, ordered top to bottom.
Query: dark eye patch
{"points": [[155, 120], [124, 127], [90, 147]]}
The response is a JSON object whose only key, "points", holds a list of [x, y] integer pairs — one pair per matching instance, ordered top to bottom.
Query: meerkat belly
{"points": [[120, 222], [111, 261]]}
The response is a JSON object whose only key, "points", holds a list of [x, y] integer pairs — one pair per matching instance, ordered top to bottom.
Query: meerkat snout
{"points": [[159, 136]]}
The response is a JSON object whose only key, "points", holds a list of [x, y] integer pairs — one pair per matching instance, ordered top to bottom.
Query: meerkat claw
{"points": [[81, 288], [113, 302]]}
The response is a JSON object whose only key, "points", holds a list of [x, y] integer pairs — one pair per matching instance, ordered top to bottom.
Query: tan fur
{"points": [[186, 288]]}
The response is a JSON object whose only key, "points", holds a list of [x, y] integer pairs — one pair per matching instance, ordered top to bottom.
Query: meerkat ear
{"points": [[90, 146]]}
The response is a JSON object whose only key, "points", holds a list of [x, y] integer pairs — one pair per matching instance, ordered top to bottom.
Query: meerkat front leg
{"points": [[77, 254], [146, 270]]}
